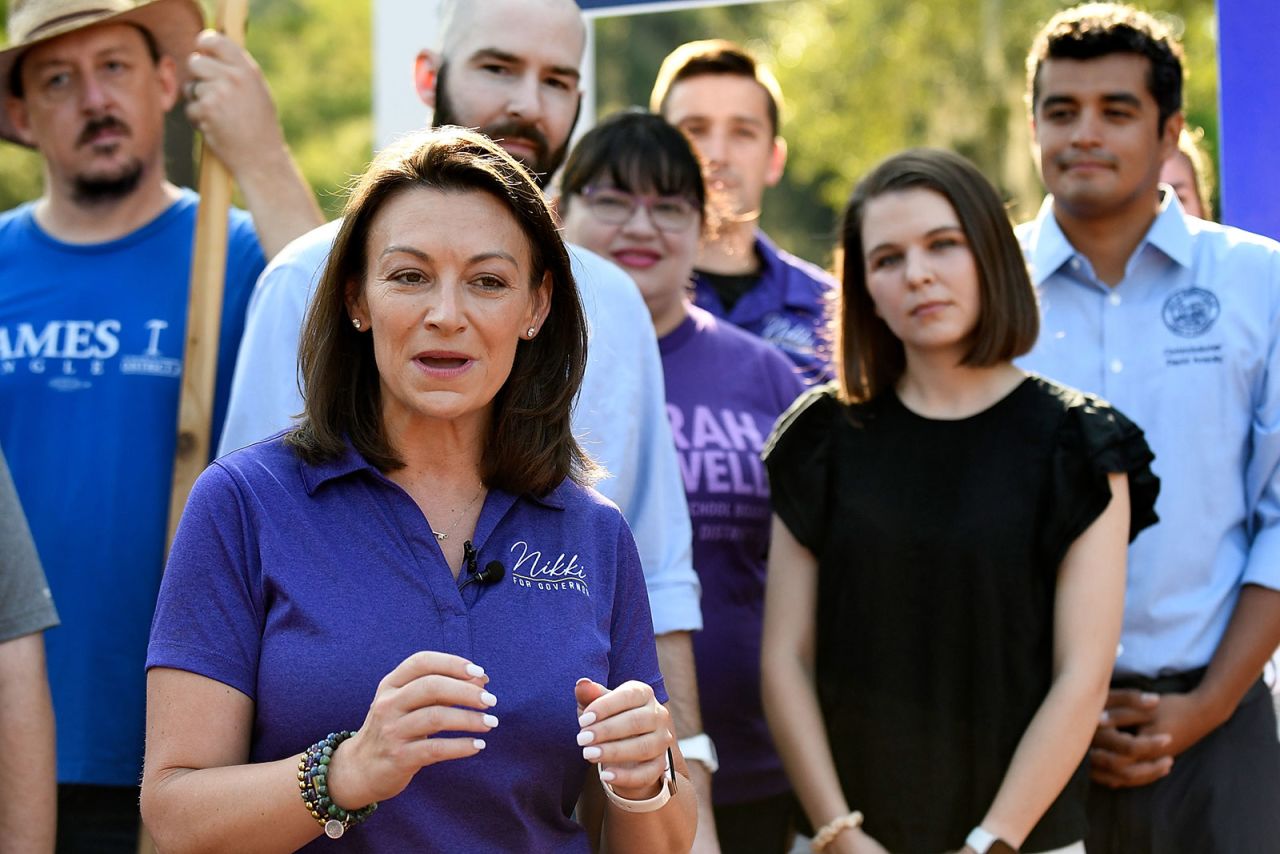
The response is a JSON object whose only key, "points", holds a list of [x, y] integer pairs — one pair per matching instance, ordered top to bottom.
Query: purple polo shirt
{"points": [[787, 307], [725, 389], [302, 586]]}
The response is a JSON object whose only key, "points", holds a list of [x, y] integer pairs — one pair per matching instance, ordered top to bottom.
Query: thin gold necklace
{"points": [[444, 535]]}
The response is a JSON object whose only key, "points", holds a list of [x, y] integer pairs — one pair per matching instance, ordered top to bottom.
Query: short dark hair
{"points": [[1100, 29], [715, 56], [15, 71], [640, 152], [871, 359], [530, 446]]}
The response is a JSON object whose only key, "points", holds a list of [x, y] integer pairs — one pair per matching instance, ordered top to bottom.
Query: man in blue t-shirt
{"points": [[730, 106], [93, 309]]}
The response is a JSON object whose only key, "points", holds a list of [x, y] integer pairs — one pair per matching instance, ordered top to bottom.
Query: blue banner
{"points": [[1249, 114]]}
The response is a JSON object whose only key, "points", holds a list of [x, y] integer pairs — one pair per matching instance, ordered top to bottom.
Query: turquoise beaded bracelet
{"points": [[313, 781]]}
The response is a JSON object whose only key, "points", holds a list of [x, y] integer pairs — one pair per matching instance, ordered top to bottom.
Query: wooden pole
{"points": [[204, 305], [204, 319]]}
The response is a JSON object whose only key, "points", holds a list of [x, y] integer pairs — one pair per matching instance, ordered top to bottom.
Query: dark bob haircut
{"points": [[1095, 30], [638, 152], [871, 358], [530, 446]]}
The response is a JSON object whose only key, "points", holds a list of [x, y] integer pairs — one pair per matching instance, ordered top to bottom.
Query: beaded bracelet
{"points": [[313, 782], [828, 833]]}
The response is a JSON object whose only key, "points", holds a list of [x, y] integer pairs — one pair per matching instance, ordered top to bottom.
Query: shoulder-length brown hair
{"points": [[871, 359], [530, 446]]}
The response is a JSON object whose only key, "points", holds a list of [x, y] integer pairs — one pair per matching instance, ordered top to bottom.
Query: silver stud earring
{"points": [[355, 321], [532, 332]]}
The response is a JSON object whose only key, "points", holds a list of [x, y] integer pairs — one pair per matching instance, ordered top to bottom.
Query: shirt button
{"points": [[1075, 263], [1114, 299], [1116, 366]]}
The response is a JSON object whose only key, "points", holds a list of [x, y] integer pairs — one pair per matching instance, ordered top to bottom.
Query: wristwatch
{"points": [[700, 748], [656, 802], [984, 841]]}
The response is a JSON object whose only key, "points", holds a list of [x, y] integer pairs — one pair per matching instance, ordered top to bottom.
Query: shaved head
{"points": [[458, 18], [508, 68]]}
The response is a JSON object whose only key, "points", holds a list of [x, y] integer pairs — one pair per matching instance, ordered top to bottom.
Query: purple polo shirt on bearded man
{"points": [[786, 307], [725, 389], [301, 586]]}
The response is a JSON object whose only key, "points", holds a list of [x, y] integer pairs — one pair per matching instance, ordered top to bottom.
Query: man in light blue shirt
{"points": [[1176, 321]]}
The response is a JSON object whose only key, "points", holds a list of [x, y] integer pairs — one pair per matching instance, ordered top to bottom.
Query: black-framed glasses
{"points": [[616, 207]]}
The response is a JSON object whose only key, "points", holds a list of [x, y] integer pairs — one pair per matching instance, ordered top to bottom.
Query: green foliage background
{"points": [[863, 78], [866, 78]]}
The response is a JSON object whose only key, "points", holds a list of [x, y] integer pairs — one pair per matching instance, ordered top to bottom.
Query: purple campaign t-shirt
{"points": [[725, 389], [302, 586]]}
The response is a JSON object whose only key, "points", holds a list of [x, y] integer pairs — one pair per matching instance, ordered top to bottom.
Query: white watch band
{"points": [[700, 748], [657, 802], [980, 839]]}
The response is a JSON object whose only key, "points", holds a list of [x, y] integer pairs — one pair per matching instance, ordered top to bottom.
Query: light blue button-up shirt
{"points": [[1186, 346]]}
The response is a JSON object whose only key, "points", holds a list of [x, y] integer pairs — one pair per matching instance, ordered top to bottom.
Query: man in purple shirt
{"points": [[730, 107]]}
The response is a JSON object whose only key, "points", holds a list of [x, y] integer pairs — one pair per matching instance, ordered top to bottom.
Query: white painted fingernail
{"points": [[475, 670], [580, 681], [488, 699], [586, 718], [490, 721], [586, 737], [477, 743], [590, 753], [607, 776]]}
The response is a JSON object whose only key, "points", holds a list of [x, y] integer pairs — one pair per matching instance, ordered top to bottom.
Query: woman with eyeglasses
{"points": [[633, 192]]}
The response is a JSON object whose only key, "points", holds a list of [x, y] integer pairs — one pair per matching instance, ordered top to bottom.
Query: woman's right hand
{"points": [[418, 699]]}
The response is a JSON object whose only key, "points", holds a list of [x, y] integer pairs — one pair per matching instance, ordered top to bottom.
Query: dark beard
{"points": [[546, 160], [98, 190]]}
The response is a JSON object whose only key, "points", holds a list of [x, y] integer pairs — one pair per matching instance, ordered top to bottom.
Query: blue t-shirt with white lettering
{"points": [[91, 346], [725, 389], [302, 586]]}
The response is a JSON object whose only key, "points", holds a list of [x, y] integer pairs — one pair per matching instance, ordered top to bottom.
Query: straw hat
{"points": [[173, 23]]}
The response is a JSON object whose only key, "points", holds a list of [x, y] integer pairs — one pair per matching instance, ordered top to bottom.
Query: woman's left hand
{"points": [[626, 732]]}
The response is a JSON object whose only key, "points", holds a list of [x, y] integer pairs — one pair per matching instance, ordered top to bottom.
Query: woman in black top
{"points": [[946, 579]]}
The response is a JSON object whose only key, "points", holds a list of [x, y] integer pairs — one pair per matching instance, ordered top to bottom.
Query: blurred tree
{"points": [[317, 56], [864, 79]]}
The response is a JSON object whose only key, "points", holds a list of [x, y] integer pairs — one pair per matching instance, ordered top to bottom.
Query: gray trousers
{"points": [[1222, 796]]}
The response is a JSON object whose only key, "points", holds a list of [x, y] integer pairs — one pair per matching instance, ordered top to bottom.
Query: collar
{"points": [[1049, 248], [767, 251], [800, 279], [351, 461]]}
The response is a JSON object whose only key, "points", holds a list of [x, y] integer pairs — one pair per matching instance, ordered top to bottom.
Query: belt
{"points": [[1168, 683]]}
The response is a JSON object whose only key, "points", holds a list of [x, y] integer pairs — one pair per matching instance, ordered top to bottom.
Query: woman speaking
{"points": [[412, 601]]}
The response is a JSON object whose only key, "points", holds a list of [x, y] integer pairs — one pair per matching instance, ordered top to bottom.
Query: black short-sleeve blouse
{"points": [[938, 545]]}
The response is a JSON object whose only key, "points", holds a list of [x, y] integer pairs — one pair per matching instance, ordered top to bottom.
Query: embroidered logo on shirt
{"points": [[1191, 312], [789, 335], [534, 571]]}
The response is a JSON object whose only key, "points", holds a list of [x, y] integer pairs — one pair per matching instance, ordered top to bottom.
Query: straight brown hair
{"points": [[871, 359], [530, 446]]}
